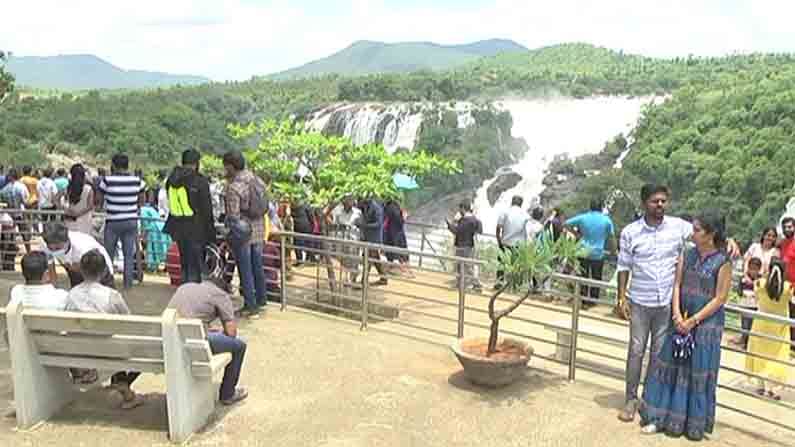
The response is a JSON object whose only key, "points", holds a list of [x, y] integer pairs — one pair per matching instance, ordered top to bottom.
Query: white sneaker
{"points": [[649, 429]]}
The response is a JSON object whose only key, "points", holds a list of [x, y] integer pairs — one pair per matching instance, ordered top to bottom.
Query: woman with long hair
{"points": [[77, 201], [765, 249], [773, 294], [680, 393]]}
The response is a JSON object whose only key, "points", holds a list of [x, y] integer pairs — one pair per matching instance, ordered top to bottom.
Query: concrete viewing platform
{"points": [[318, 380]]}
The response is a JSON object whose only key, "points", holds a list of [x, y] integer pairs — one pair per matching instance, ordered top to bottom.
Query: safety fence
{"points": [[422, 300], [441, 307]]}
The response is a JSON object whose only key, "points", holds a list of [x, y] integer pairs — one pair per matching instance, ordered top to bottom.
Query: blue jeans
{"points": [[127, 232], [191, 259], [252, 276], [220, 343]]}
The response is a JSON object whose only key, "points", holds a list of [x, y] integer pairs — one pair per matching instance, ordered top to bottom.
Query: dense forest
{"points": [[725, 138], [727, 145]]}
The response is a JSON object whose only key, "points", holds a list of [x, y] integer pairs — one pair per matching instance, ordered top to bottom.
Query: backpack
{"points": [[258, 204]]}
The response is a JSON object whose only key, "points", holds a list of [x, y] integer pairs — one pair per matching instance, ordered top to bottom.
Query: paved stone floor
{"points": [[317, 380]]}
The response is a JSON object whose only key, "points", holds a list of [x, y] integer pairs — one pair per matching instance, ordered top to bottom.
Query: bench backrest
{"points": [[110, 342]]}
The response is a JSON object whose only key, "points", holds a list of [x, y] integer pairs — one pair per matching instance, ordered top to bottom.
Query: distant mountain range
{"points": [[366, 57], [85, 71]]}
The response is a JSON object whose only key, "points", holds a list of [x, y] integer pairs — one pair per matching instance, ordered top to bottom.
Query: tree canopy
{"points": [[330, 167]]}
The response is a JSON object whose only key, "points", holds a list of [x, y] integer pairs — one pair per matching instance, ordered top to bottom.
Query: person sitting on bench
{"points": [[39, 290], [92, 296], [208, 301]]}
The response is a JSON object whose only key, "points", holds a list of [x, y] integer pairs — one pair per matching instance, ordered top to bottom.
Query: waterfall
{"points": [[395, 125], [555, 127]]}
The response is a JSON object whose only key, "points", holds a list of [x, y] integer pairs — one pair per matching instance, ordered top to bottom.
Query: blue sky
{"points": [[235, 39]]}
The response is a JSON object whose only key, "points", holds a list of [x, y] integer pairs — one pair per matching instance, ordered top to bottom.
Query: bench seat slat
{"points": [[91, 323], [116, 347], [142, 365]]}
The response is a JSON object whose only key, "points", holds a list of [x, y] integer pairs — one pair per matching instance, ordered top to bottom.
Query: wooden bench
{"points": [[45, 344]]}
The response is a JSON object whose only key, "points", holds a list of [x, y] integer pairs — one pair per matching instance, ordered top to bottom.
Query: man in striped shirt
{"points": [[123, 195], [650, 248]]}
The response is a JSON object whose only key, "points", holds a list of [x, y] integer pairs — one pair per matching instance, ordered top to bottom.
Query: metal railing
{"points": [[442, 305], [577, 347]]}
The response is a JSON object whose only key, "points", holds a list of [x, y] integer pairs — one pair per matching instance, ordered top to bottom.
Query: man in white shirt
{"points": [[47, 190], [345, 218], [534, 225], [511, 230], [68, 247], [38, 290]]}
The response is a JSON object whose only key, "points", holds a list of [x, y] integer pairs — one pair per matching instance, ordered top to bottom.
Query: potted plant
{"points": [[500, 361]]}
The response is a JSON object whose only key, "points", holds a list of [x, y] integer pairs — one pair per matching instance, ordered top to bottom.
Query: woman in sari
{"points": [[680, 393]]}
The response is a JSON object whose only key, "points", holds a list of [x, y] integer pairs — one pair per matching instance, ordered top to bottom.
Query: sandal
{"points": [[760, 392], [773, 395]]}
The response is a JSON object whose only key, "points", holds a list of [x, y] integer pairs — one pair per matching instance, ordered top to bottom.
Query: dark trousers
{"points": [[125, 231], [305, 255], [191, 260], [375, 261], [592, 269], [76, 278], [747, 323], [792, 331], [220, 343], [125, 377]]}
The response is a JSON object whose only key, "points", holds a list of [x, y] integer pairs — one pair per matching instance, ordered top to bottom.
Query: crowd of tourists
{"points": [[674, 275]]}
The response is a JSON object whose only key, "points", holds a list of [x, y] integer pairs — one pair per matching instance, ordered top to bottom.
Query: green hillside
{"points": [[366, 57], [84, 72], [723, 139]]}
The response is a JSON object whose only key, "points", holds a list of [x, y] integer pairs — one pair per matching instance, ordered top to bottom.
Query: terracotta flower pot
{"points": [[499, 369]]}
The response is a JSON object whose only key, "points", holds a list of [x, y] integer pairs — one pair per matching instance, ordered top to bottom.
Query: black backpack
{"points": [[258, 204]]}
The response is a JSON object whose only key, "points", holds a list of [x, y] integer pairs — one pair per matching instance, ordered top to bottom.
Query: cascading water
{"points": [[395, 125], [555, 127]]}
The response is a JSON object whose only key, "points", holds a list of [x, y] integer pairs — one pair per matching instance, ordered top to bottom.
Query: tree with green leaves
{"points": [[6, 78], [329, 167], [536, 259]]}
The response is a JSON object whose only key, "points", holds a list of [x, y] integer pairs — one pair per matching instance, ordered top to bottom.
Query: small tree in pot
{"points": [[495, 363]]}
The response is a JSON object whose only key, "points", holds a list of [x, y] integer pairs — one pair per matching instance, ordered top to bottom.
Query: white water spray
{"points": [[554, 127]]}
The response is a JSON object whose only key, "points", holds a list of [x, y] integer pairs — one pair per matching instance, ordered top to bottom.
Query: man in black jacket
{"points": [[190, 221]]}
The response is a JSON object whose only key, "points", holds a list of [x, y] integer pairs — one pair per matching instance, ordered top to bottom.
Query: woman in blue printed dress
{"points": [[679, 396]]}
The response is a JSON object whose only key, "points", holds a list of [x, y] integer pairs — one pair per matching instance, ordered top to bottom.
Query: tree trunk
{"points": [[494, 332]]}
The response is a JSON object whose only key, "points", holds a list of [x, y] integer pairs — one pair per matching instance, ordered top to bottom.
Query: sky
{"points": [[237, 39]]}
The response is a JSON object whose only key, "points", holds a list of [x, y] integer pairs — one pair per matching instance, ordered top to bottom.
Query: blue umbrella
{"points": [[403, 181]]}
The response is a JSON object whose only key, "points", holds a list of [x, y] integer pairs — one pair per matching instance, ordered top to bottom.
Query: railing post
{"points": [[422, 244], [317, 274], [283, 275], [365, 286], [462, 290], [575, 328]]}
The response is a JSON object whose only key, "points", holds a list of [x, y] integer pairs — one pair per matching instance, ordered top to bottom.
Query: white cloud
{"points": [[236, 39]]}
